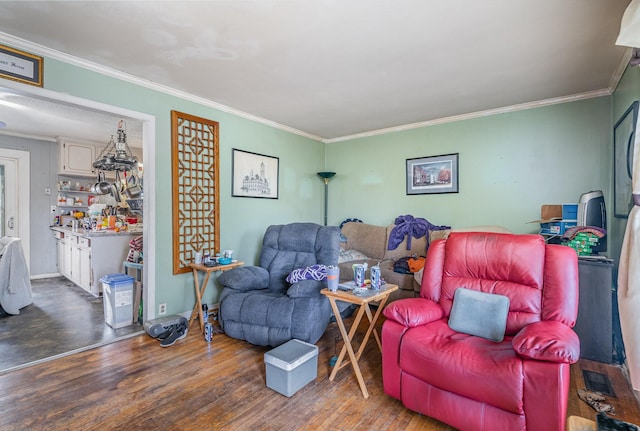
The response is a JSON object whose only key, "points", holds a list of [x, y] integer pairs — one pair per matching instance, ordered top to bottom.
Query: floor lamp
{"points": [[326, 176]]}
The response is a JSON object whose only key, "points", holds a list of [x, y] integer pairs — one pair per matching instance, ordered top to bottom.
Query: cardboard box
{"points": [[556, 219], [556, 228]]}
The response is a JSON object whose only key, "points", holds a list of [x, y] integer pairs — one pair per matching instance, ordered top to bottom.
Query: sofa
{"points": [[366, 243], [439, 361]]}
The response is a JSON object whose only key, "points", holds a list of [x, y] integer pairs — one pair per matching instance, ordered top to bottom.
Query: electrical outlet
{"points": [[53, 209], [162, 309]]}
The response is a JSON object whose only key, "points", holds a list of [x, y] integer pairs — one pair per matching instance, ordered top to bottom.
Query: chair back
{"points": [[297, 245], [540, 280]]}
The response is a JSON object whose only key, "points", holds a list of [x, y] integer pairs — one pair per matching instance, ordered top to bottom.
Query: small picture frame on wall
{"points": [[20, 66], [624, 133], [433, 174], [254, 175]]}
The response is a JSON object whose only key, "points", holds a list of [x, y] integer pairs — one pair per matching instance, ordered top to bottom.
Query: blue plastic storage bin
{"points": [[117, 295]]}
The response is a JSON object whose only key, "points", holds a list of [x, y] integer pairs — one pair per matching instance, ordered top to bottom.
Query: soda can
{"points": [[358, 275], [375, 277], [208, 332]]}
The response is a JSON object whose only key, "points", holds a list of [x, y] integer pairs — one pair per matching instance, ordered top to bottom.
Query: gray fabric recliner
{"points": [[258, 305]]}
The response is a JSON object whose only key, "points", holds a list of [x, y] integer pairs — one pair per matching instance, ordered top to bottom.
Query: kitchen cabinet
{"points": [[76, 158], [85, 257]]}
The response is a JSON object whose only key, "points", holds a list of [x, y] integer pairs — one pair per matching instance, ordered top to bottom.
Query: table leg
{"points": [[199, 294], [372, 326], [347, 347]]}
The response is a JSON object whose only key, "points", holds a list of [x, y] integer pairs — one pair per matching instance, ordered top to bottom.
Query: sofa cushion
{"points": [[366, 238], [479, 313], [473, 367]]}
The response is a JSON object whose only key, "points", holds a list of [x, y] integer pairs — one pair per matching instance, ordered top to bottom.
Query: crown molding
{"points": [[44, 51], [94, 67], [622, 67], [471, 115], [25, 136]]}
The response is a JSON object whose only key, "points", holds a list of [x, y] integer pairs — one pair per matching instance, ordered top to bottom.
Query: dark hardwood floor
{"points": [[62, 318], [194, 385]]}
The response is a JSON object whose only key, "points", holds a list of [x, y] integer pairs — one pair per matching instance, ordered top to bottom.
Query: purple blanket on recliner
{"points": [[408, 226]]}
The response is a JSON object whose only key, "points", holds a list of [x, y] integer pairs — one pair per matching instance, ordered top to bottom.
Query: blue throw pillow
{"points": [[313, 272], [480, 314]]}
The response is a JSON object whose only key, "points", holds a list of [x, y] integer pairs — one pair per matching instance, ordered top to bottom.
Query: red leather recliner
{"points": [[472, 383]]}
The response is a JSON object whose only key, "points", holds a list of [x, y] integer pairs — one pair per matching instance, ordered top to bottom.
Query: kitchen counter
{"points": [[96, 233], [85, 256]]}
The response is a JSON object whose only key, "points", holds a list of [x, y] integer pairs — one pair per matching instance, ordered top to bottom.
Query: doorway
{"points": [[65, 103], [14, 206]]}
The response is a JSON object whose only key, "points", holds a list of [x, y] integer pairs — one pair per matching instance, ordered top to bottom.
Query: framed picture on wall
{"points": [[20, 66], [623, 147], [433, 174], [254, 175]]}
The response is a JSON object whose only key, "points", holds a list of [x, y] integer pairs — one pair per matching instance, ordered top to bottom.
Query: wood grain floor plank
{"points": [[194, 385]]}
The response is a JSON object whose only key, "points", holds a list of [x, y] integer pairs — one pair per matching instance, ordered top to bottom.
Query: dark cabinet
{"points": [[594, 325]]}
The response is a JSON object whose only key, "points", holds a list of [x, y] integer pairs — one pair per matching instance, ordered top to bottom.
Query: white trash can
{"points": [[117, 295]]}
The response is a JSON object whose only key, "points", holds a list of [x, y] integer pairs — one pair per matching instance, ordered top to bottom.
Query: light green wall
{"points": [[627, 92], [509, 165], [243, 220]]}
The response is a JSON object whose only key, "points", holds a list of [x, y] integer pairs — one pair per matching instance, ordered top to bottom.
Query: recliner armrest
{"points": [[245, 278], [305, 289], [412, 312], [547, 340]]}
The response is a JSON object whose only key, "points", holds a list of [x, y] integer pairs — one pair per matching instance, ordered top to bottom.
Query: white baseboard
{"points": [[40, 276]]}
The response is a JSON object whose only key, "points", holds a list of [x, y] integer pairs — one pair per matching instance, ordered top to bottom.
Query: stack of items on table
{"points": [[583, 239]]}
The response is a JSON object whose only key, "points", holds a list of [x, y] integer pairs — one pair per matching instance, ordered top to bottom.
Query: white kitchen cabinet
{"points": [[77, 158], [60, 245], [68, 257], [86, 258], [84, 280]]}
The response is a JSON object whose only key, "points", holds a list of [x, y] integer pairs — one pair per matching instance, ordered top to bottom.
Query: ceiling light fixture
{"points": [[116, 156]]}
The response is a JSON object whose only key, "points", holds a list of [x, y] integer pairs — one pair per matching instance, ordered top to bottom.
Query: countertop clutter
{"points": [[99, 219], [137, 230]]}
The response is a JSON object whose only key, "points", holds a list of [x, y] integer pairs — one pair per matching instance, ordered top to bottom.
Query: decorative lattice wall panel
{"points": [[196, 197]]}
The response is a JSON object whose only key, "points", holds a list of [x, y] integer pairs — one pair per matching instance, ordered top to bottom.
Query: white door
{"points": [[14, 206]]}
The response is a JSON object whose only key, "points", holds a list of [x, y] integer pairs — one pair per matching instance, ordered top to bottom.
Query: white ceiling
{"points": [[331, 69]]}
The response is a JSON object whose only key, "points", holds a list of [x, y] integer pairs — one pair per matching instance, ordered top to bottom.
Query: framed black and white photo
{"points": [[20, 66], [623, 148], [433, 174], [254, 175]]}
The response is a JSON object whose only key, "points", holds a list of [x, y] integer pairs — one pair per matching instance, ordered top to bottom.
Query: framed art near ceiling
{"points": [[20, 66], [623, 148], [433, 174], [254, 175]]}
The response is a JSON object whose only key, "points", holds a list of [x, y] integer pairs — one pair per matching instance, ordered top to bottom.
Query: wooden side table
{"points": [[200, 288], [380, 296]]}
